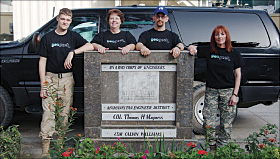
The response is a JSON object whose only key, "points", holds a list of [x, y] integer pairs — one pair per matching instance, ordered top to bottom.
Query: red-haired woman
{"points": [[114, 39], [223, 78]]}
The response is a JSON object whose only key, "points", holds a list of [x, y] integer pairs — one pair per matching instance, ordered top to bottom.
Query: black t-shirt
{"points": [[159, 40], [113, 41], [56, 48], [220, 66]]}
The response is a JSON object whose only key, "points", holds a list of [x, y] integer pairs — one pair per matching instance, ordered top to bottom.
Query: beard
{"points": [[159, 23]]}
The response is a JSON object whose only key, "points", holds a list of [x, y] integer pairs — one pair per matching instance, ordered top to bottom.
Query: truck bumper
{"points": [[259, 93]]}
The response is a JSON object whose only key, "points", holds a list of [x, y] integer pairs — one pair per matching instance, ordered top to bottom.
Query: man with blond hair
{"points": [[57, 49]]}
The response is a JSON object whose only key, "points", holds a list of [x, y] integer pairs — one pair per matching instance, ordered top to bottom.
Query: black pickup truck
{"points": [[253, 33]]}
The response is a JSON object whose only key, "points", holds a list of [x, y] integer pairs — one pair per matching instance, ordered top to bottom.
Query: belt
{"points": [[59, 75]]}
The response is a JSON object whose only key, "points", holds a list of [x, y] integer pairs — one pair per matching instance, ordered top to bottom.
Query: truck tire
{"points": [[198, 105], [6, 108]]}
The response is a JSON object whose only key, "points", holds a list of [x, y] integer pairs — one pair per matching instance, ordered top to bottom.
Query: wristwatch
{"points": [[178, 47], [73, 52], [235, 95]]}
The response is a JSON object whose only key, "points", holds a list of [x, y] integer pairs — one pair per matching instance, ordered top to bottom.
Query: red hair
{"points": [[220, 28]]}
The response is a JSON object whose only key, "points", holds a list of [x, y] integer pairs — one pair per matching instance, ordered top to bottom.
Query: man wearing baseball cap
{"points": [[159, 38]]}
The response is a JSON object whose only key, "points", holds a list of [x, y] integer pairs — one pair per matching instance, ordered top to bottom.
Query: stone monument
{"points": [[125, 94]]}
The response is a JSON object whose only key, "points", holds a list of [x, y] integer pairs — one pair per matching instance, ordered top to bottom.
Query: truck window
{"points": [[138, 23], [87, 27], [246, 29]]}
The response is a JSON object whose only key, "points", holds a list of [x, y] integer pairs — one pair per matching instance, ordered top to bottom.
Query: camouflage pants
{"points": [[64, 87], [218, 99]]}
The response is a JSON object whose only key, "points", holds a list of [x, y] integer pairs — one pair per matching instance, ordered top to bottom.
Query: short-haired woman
{"points": [[114, 39], [223, 78]]}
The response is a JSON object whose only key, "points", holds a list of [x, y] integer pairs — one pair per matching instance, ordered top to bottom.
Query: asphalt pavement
{"points": [[248, 121], [29, 127]]}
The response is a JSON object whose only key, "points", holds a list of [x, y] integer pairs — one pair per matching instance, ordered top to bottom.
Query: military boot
{"points": [[45, 147], [213, 149]]}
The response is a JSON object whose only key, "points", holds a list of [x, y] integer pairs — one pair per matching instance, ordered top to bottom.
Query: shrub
{"points": [[10, 142], [263, 144]]}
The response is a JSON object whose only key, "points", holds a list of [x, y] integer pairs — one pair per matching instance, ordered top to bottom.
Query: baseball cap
{"points": [[161, 9]]}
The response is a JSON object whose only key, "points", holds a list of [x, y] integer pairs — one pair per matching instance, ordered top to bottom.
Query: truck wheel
{"points": [[198, 105], [6, 108]]}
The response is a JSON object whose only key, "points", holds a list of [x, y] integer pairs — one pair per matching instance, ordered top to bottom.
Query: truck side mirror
{"points": [[35, 40], [34, 43]]}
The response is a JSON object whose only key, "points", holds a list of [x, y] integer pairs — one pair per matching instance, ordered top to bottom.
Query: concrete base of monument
{"points": [[130, 136], [138, 144]]}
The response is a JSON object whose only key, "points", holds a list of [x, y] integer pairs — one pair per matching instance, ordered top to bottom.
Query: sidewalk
{"points": [[249, 120], [29, 127]]}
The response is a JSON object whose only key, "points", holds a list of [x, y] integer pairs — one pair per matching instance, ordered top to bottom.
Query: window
{"points": [[138, 23], [87, 27], [246, 29]]}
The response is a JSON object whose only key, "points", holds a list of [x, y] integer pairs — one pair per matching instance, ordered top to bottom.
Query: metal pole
{"points": [[210, 3], [53, 11]]}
